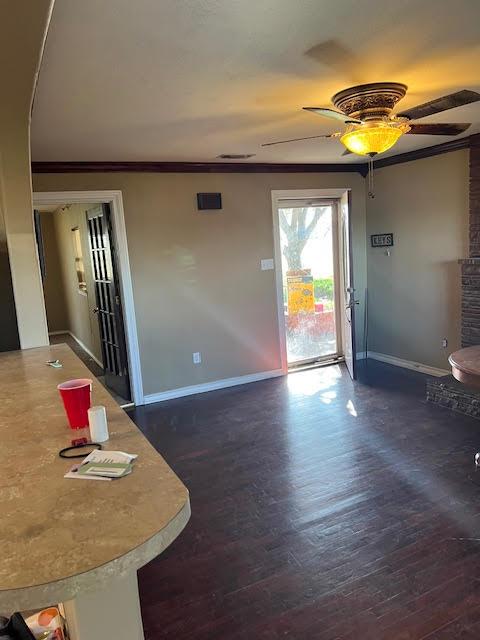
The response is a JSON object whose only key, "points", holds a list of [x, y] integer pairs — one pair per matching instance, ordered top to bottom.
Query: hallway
{"points": [[96, 370]]}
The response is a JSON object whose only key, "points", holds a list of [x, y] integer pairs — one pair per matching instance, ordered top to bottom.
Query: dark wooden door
{"points": [[108, 301]]}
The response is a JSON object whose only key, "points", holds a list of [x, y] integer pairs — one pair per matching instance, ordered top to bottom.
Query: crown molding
{"points": [[475, 140], [194, 167], [252, 167]]}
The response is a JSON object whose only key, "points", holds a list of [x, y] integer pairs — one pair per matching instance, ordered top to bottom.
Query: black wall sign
{"points": [[382, 240]]}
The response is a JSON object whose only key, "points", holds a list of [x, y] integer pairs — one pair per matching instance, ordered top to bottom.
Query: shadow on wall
{"points": [[9, 340]]}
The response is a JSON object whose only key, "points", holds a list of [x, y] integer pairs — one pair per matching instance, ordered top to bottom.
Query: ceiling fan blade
{"points": [[444, 103], [331, 113], [436, 129], [269, 144], [347, 152]]}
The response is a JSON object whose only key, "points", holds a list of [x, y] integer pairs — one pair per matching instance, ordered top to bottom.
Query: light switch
{"points": [[267, 264]]}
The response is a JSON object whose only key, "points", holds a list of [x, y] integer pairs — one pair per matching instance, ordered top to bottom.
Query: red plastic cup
{"points": [[76, 396]]}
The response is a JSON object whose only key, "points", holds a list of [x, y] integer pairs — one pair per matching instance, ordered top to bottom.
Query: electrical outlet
{"points": [[444, 343], [197, 357]]}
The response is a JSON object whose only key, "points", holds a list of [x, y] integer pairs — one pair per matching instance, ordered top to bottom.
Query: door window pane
{"points": [[306, 240], [78, 258]]}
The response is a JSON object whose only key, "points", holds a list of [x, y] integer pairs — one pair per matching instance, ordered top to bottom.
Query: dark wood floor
{"points": [[65, 338], [320, 509]]}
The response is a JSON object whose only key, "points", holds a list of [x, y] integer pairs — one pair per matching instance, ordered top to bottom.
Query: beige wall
{"points": [[22, 27], [196, 275], [53, 286], [414, 295], [72, 307]]}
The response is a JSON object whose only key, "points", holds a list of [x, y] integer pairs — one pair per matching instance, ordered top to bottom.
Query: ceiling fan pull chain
{"points": [[371, 192]]}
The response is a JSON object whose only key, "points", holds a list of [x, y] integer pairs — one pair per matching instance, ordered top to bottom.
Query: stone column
{"points": [[474, 194], [471, 266]]}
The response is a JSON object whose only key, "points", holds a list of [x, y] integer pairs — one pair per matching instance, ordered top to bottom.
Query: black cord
{"points": [[63, 452]]}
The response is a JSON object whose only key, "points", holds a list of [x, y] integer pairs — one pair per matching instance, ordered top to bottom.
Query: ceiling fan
{"points": [[371, 128]]}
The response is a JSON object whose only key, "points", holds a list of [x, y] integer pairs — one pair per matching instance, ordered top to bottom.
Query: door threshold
{"points": [[316, 364]]}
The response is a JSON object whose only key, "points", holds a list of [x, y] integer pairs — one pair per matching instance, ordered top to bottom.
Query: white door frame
{"points": [[293, 194], [115, 200]]}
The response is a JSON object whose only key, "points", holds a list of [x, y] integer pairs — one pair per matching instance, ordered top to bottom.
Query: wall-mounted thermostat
{"points": [[209, 201]]}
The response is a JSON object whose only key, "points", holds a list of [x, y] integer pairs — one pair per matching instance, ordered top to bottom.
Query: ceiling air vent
{"points": [[235, 156]]}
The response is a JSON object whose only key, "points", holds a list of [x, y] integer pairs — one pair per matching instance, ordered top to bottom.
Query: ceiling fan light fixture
{"points": [[371, 138]]}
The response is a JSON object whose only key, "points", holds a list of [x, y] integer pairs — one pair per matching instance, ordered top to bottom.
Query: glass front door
{"points": [[308, 245]]}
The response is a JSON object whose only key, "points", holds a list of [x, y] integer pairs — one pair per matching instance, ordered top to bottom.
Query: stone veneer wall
{"points": [[474, 195], [471, 265], [470, 301], [451, 394]]}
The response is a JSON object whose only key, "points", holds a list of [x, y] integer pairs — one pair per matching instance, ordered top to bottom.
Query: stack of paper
{"points": [[103, 465]]}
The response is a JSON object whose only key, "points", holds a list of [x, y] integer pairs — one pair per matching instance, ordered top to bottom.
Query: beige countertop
{"points": [[465, 365], [61, 537]]}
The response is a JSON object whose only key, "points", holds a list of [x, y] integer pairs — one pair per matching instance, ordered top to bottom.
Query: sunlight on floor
{"points": [[309, 383], [351, 409]]}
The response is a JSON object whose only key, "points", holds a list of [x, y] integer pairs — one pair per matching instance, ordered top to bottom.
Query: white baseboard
{"points": [[79, 342], [87, 350], [408, 364], [211, 386]]}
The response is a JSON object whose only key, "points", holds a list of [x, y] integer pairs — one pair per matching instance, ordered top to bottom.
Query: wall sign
{"points": [[382, 240], [300, 292]]}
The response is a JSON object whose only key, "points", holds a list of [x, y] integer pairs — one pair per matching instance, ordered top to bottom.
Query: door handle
{"points": [[351, 304], [95, 310]]}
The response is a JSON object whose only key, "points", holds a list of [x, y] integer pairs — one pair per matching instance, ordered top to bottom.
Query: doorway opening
{"points": [[78, 260], [314, 278]]}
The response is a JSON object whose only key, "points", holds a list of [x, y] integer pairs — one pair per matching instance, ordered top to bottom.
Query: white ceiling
{"points": [[187, 80]]}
